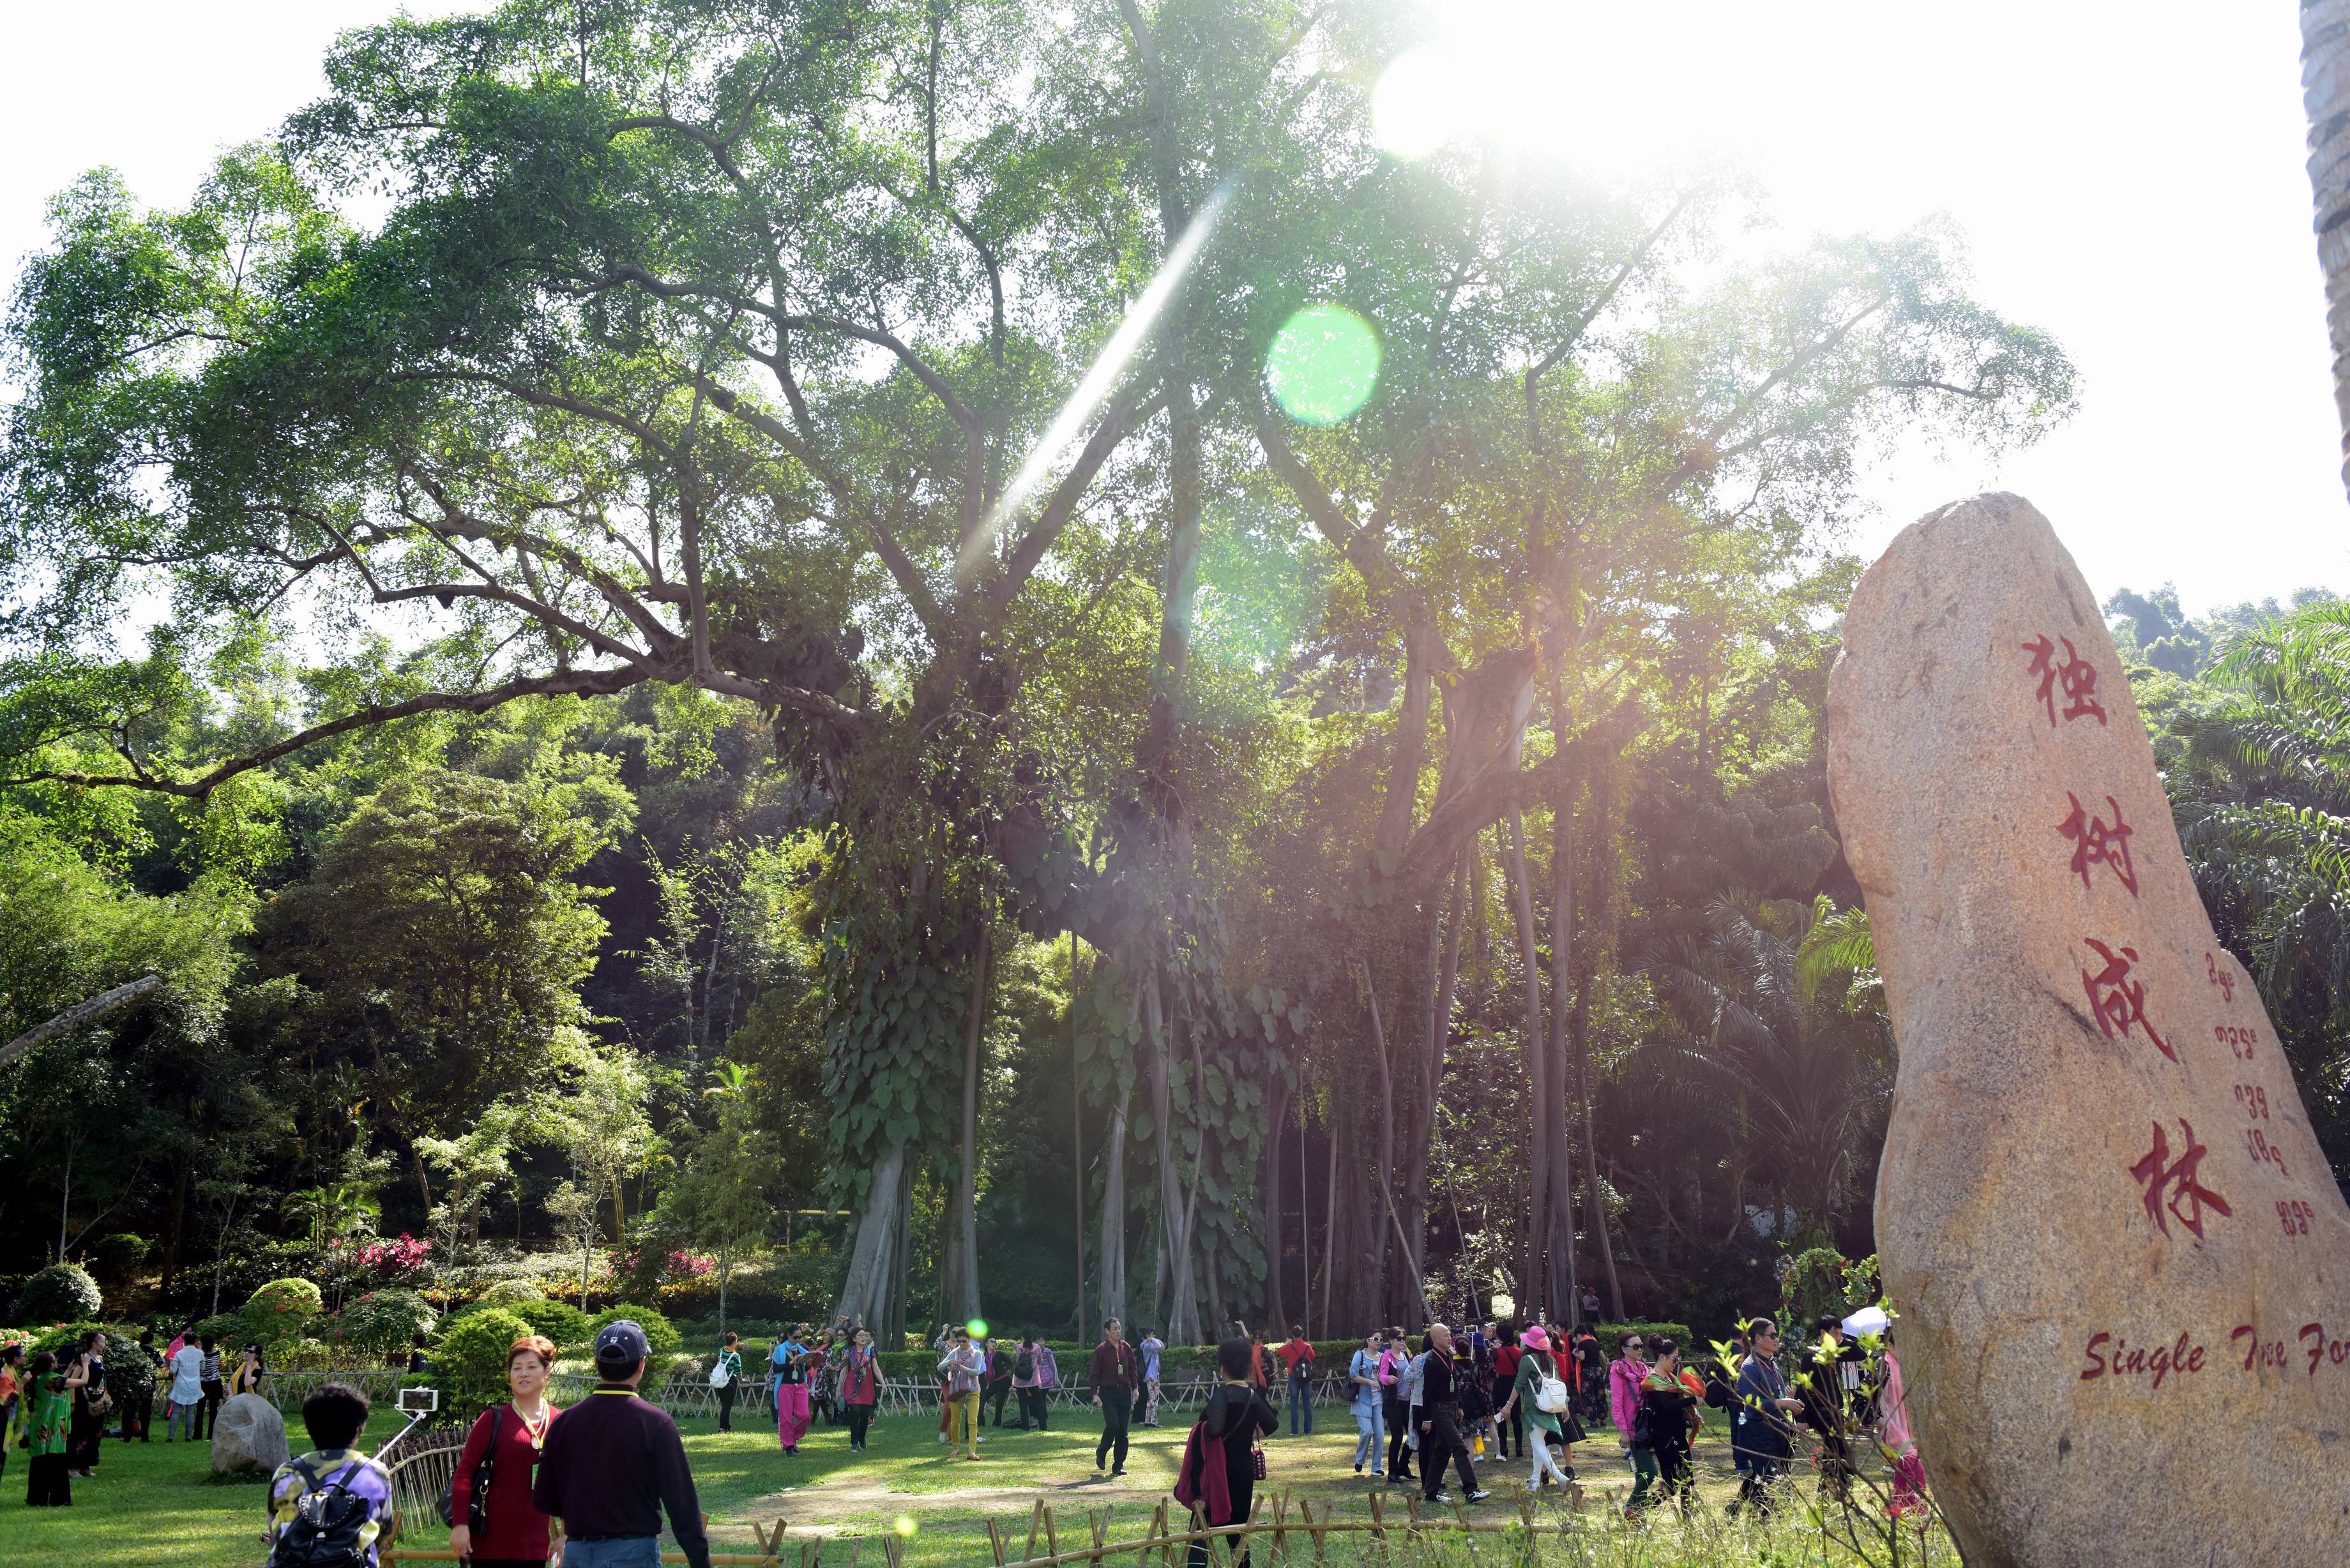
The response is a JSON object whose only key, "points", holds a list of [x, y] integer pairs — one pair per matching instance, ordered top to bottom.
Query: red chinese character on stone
{"points": [[2076, 674], [2095, 844], [2118, 1000], [2188, 1198]]}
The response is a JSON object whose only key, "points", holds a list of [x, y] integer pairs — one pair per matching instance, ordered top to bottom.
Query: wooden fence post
{"points": [[995, 1543]]}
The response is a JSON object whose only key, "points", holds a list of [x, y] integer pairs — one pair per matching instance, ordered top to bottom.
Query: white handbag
{"points": [[1550, 1394]]}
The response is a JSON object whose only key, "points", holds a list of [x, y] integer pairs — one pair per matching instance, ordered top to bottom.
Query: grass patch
{"points": [[158, 1505]]}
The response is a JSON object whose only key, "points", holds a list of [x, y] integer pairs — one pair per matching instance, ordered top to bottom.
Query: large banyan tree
{"points": [[848, 358]]}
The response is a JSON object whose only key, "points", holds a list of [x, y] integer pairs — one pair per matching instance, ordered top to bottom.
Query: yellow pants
{"points": [[963, 1410]]}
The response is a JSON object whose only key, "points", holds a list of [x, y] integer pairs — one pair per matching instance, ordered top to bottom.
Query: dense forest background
{"points": [[985, 663]]}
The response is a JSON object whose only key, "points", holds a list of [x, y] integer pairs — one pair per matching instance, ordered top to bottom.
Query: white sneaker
{"points": [[1478, 1496], [1442, 1500]]}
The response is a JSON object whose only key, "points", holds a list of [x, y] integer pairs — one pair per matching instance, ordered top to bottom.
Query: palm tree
{"points": [[2325, 94], [2262, 797], [1806, 1070]]}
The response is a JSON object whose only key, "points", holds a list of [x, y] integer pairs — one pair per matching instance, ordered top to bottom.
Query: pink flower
{"points": [[404, 1256]]}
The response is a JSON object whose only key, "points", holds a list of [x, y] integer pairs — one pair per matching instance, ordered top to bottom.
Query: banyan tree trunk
{"points": [[1601, 808], [1423, 1075], [1538, 1089], [1269, 1189], [1113, 1219], [1559, 1220], [1174, 1232], [959, 1282], [873, 1293]]}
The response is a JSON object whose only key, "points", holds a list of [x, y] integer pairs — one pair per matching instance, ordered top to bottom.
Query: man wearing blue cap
{"points": [[611, 1471]]}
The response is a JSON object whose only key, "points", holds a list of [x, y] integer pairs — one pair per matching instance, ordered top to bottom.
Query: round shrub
{"points": [[62, 1293], [511, 1293], [278, 1310], [381, 1322], [561, 1322], [659, 1332], [468, 1363]]}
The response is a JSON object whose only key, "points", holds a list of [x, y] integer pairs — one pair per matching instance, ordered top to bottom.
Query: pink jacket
{"points": [[1624, 1392], [1894, 1424]]}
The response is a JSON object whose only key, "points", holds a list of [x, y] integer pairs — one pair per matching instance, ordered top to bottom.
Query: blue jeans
{"points": [[1301, 1407], [181, 1423], [1370, 1433], [625, 1551]]}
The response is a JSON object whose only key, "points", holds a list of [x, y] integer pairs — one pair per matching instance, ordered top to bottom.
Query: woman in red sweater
{"points": [[514, 1534]]}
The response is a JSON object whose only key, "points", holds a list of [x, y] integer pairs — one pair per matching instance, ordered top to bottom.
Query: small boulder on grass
{"points": [[248, 1435]]}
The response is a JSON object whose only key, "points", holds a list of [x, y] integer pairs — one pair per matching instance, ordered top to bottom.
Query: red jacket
{"points": [[516, 1528]]}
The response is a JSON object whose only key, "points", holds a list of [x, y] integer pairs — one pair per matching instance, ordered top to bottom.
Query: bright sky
{"points": [[2130, 178]]}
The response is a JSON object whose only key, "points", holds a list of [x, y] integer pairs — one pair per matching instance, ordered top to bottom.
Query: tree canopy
{"points": [[974, 560]]}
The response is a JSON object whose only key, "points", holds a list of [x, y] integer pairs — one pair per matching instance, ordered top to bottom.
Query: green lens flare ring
{"points": [[1324, 365], [976, 1328]]}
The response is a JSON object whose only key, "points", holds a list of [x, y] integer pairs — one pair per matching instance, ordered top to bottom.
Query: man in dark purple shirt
{"points": [[1116, 1373], [613, 1463]]}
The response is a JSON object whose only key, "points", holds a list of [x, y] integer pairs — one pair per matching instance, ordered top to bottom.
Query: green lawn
{"points": [[156, 1505]]}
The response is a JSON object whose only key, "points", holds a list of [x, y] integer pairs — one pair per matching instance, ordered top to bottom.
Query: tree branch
{"points": [[1606, 298], [1123, 416], [901, 566], [577, 683], [80, 1013]]}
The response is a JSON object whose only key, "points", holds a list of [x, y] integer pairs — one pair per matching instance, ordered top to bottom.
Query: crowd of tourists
{"points": [[1541, 1391], [55, 1408], [1423, 1409], [595, 1480]]}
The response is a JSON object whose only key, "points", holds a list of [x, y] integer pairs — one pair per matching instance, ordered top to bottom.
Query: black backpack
{"points": [[1025, 1366], [1719, 1391], [329, 1522]]}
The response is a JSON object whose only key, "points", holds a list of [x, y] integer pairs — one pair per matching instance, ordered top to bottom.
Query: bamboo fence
{"points": [[1294, 1531]]}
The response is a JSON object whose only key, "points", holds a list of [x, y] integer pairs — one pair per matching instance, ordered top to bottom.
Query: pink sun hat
{"points": [[1536, 1339]]}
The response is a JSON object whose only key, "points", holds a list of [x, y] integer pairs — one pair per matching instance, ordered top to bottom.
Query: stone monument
{"points": [[2122, 1265], [248, 1434]]}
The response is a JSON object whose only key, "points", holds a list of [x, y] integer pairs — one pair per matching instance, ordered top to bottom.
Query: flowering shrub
{"points": [[403, 1257], [648, 1269], [278, 1310]]}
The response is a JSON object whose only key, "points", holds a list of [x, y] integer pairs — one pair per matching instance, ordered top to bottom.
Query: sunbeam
{"points": [[1106, 367]]}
